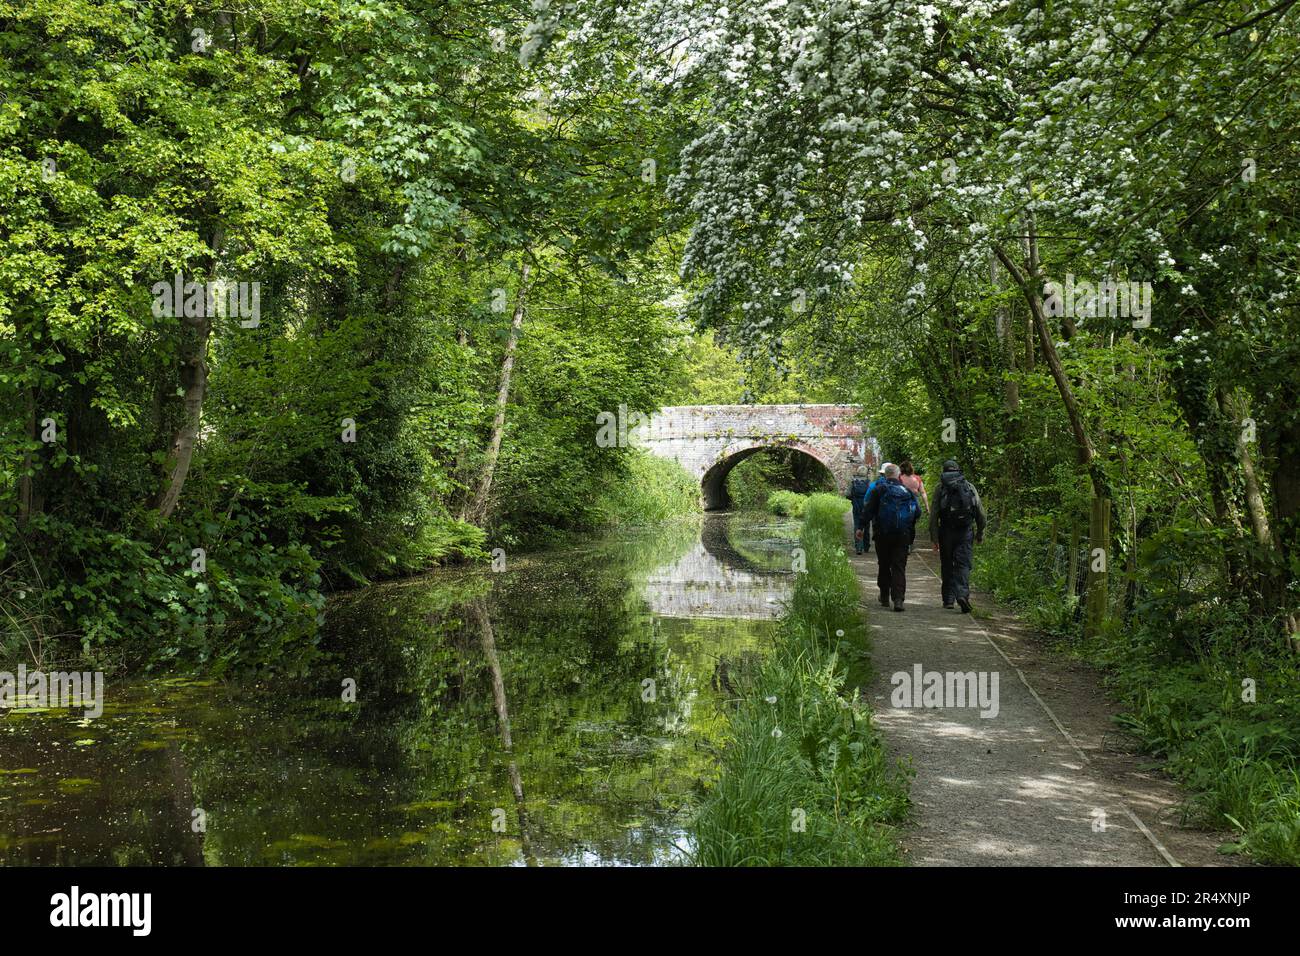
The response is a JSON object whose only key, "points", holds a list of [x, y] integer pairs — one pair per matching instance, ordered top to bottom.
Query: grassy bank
{"points": [[653, 490], [787, 503], [1177, 666], [805, 779]]}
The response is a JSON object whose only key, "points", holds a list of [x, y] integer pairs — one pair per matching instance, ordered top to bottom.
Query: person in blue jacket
{"points": [[892, 509]]}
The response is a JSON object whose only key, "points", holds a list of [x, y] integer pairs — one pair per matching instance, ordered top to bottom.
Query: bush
{"points": [[652, 491], [787, 503], [255, 604]]}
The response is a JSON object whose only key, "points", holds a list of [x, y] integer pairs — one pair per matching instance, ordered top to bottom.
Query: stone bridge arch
{"points": [[709, 440], [713, 484]]}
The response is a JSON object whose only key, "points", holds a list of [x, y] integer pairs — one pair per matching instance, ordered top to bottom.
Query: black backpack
{"points": [[858, 491], [957, 506]]}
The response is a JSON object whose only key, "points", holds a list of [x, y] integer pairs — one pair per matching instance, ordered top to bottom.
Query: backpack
{"points": [[858, 491], [958, 505], [896, 510]]}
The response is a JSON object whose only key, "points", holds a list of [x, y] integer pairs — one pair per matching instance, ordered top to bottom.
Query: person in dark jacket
{"points": [[857, 495], [892, 510], [956, 525]]}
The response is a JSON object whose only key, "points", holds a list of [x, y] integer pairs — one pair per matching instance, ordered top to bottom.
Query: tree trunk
{"points": [[1006, 333], [1007, 337], [1030, 364], [194, 382], [1234, 410], [1200, 413], [1085, 452], [1286, 504], [476, 509], [1056, 534], [1072, 561], [1098, 567], [487, 638]]}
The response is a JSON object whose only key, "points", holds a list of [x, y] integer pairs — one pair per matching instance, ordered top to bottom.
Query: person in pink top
{"points": [[913, 483]]}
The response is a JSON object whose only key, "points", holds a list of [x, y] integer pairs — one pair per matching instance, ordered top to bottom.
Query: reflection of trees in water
{"points": [[722, 536], [483, 621], [578, 650], [731, 672], [677, 687], [536, 689], [474, 691], [125, 800], [184, 806]]}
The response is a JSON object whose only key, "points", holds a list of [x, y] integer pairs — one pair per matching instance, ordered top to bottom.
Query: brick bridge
{"points": [[709, 440]]}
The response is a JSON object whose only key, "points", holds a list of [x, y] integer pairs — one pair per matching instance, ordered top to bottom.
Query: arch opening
{"points": [[713, 485]]}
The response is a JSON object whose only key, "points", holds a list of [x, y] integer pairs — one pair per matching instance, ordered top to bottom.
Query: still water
{"points": [[563, 711]]}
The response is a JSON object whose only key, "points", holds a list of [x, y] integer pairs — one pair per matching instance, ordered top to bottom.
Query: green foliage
{"points": [[381, 171], [385, 171], [920, 290], [603, 346], [715, 373], [752, 483], [652, 491], [787, 503], [254, 601], [805, 779]]}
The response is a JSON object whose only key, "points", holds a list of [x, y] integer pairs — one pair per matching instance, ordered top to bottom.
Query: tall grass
{"points": [[654, 490], [805, 779]]}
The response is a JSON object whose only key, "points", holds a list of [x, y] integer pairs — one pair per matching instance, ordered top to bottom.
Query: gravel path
{"points": [[1049, 780]]}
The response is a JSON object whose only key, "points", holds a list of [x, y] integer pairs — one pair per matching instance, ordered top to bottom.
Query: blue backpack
{"points": [[896, 510]]}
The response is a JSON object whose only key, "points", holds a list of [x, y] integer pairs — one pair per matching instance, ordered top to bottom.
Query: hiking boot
{"points": [[884, 600], [948, 605], [965, 605], [898, 606]]}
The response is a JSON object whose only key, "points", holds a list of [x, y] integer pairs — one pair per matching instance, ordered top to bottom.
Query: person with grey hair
{"points": [[857, 495], [892, 509]]}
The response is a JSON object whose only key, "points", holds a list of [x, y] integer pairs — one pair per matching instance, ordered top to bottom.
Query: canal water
{"points": [[566, 710]]}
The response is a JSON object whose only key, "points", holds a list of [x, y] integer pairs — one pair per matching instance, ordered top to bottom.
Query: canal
{"points": [[565, 710]]}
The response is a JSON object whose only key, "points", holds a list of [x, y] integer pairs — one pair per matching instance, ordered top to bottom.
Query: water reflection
{"points": [[744, 578], [563, 712]]}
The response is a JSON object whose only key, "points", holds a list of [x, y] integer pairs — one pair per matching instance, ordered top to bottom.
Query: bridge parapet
{"points": [[709, 440]]}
